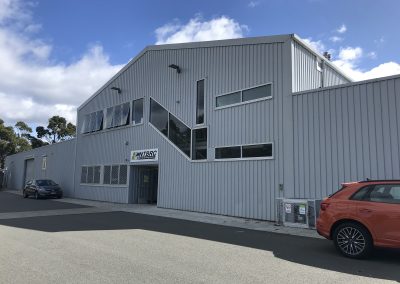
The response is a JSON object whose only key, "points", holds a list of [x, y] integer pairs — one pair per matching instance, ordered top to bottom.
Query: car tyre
{"points": [[24, 195], [59, 196], [353, 240]]}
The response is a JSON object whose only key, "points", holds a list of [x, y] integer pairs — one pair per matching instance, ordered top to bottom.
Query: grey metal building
{"points": [[224, 127]]}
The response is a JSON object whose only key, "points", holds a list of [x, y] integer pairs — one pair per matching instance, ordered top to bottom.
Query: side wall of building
{"points": [[306, 76], [344, 134], [59, 166], [245, 188]]}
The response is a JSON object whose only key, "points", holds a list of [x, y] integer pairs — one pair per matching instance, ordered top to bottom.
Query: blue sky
{"points": [[53, 46]]}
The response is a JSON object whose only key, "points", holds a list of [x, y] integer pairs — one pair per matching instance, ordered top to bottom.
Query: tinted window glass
{"points": [[256, 93], [224, 100], [200, 102], [125, 114], [117, 116], [137, 116], [109, 117], [159, 117], [99, 121], [92, 122], [86, 124], [179, 134], [199, 144], [261, 150], [227, 152], [107, 175], [45, 182], [361, 193], [385, 193]]}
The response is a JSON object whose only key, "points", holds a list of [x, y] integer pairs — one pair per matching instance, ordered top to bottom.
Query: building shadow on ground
{"points": [[384, 264]]}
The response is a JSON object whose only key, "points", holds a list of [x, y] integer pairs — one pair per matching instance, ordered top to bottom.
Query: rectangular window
{"points": [[256, 93], [246, 95], [229, 99], [200, 102], [126, 110], [137, 111], [117, 115], [109, 117], [159, 117], [99, 121], [92, 122], [86, 123], [179, 134], [199, 138], [260, 150], [245, 151], [227, 152], [44, 163], [96, 174], [114, 174], [123, 174], [84, 175], [90, 175], [107, 175]]}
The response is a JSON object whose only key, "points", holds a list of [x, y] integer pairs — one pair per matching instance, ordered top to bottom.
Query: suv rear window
{"points": [[384, 193]]}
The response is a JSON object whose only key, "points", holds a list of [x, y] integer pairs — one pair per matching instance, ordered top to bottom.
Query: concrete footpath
{"points": [[98, 206]]}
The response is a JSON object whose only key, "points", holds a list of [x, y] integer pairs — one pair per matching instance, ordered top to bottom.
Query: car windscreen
{"points": [[45, 182]]}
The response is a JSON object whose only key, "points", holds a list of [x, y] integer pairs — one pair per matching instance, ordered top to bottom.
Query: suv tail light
{"points": [[324, 206]]}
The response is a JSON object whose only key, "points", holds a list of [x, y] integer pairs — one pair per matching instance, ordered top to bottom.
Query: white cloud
{"points": [[253, 4], [342, 29], [199, 30], [336, 39], [316, 45], [350, 53], [372, 55], [33, 86]]}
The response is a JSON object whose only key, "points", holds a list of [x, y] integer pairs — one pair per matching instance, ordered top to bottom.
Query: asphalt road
{"points": [[120, 247]]}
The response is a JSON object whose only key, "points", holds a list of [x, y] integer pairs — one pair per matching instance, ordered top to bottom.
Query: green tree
{"points": [[57, 130], [11, 142]]}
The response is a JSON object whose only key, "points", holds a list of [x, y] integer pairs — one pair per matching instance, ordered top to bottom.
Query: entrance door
{"points": [[29, 170], [145, 184]]}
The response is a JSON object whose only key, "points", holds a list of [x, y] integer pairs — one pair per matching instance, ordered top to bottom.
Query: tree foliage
{"points": [[57, 130]]}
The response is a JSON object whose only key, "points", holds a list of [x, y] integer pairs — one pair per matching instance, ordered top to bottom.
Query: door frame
{"points": [[132, 194]]}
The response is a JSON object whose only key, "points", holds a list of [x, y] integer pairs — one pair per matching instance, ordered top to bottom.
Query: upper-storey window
{"points": [[244, 96], [200, 102], [137, 111], [118, 115], [159, 117], [93, 122], [244, 151]]}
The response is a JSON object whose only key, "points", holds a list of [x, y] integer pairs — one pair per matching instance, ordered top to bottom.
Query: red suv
{"points": [[362, 215]]}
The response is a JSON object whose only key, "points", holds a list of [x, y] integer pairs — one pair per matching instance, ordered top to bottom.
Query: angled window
{"points": [[200, 102], [137, 111], [159, 117], [179, 134], [199, 144]]}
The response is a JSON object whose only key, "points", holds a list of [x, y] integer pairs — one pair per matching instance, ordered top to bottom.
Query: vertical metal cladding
{"points": [[305, 73], [344, 134], [60, 165], [236, 188]]}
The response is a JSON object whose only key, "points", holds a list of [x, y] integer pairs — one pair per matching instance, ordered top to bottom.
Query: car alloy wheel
{"points": [[353, 240]]}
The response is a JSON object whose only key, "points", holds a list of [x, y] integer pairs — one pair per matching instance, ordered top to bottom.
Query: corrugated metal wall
{"points": [[305, 73], [346, 134], [60, 165], [237, 188]]}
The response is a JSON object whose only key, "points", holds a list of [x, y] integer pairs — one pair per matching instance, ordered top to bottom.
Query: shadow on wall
{"points": [[307, 251]]}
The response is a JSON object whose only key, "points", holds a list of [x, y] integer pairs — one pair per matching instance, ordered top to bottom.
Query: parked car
{"points": [[42, 188], [362, 215]]}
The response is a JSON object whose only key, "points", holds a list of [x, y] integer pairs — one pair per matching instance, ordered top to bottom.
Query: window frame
{"points": [[241, 97], [204, 102], [133, 111], [192, 144], [241, 153], [87, 175], [118, 184]]}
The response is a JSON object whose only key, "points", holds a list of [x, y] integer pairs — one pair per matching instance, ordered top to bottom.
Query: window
{"points": [[320, 65], [256, 93], [243, 96], [229, 99], [200, 102], [126, 109], [137, 111], [117, 113], [109, 117], [159, 117], [99, 121], [93, 122], [86, 123], [179, 134], [199, 138], [260, 150], [245, 151], [227, 152], [44, 163], [90, 174], [96, 174], [84, 175], [115, 175], [384, 193], [360, 194]]}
